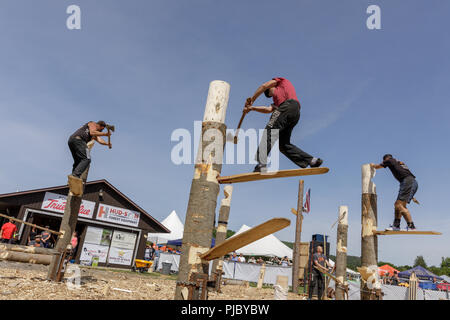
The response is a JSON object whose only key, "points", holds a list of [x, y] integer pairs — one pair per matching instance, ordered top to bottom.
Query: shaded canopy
{"points": [[386, 268], [421, 273]]}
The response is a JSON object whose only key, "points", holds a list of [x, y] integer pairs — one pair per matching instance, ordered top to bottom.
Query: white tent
{"points": [[174, 224], [267, 246]]}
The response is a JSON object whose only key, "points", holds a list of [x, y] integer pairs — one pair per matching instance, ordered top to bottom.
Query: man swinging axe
{"points": [[285, 111], [78, 145], [408, 188]]}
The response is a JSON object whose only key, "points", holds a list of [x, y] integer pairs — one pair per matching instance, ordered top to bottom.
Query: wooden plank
{"points": [[256, 176], [30, 224], [385, 232], [243, 239], [328, 274]]}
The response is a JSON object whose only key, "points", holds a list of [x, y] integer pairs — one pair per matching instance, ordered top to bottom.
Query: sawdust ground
{"points": [[21, 281]]}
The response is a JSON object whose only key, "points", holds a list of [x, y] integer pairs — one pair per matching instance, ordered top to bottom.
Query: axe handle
{"points": [[249, 100], [109, 139]]}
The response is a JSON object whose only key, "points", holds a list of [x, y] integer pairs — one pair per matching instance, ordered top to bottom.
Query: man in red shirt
{"points": [[285, 111], [7, 232]]}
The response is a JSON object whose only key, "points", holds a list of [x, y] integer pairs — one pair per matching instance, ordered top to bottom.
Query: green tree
{"points": [[420, 261], [445, 262]]}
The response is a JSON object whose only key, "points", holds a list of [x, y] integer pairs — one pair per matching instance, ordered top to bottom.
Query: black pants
{"points": [[284, 118], [81, 156], [319, 281]]}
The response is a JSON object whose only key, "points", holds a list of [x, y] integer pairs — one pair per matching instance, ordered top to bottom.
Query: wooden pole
{"points": [[199, 222], [30, 224], [222, 225], [67, 227], [298, 233], [341, 253], [25, 257], [262, 273], [370, 286], [412, 290]]}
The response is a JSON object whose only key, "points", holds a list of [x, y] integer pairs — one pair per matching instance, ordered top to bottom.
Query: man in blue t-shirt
{"points": [[320, 261]]}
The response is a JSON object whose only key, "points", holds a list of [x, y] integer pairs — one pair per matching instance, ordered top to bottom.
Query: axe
{"points": [[248, 102], [110, 128]]}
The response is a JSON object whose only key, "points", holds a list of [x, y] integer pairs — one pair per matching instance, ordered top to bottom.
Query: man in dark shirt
{"points": [[285, 111], [78, 145], [408, 188], [318, 280]]}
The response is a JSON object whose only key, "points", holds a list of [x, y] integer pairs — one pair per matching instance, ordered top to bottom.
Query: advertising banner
{"points": [[57, 203], [118, 215], [98, 236], [123, 240], [90, 250], [120, 256]]}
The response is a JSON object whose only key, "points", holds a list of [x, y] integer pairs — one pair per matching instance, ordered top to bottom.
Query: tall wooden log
{"points": [[199, 222], [222, 225], [67, 227], [297, 243], [341, 253], [25, 257], [262, 273], [370, 287]]}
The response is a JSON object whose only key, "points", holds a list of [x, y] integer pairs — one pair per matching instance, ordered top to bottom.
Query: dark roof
{"points": [[104, 181]]}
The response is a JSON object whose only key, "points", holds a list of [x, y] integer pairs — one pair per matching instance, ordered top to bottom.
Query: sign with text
{"points": [[57, 203], [118, 215], [98, 236], [124, 240], [92, 250], [120, 256]]}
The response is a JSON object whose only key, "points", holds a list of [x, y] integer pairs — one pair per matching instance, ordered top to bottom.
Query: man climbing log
{"points": [[285, 111], [78, 145], [408, 188]]}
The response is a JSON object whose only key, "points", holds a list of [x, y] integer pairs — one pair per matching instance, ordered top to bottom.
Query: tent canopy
{"points": [[174, 224], [267, 246], [386, 268], [347, 269], [421, 273]]}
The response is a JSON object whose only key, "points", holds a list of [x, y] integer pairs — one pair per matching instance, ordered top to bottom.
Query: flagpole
{"points": [[298, 232]]}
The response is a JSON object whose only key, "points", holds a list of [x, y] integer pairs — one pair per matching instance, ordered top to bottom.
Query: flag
{"points": [[307, 205]]}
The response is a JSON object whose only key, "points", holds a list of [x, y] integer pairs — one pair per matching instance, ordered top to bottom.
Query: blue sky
{"points": [[145, 66]]}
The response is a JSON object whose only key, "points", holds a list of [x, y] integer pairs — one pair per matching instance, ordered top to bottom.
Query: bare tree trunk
{"points": [[199, 222], [222, 225], [298, 233], [369, 241], [26, 249], [341, 253]]}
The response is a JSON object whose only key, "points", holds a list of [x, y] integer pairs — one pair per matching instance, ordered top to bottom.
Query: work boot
{"points": [[316, 163], [260, 168], [410, 226]]}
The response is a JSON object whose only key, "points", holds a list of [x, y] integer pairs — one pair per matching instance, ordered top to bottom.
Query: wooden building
{"points": [[110, 226]]}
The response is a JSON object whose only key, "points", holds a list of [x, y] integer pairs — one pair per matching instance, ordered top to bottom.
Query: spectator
{"points": [[7, 232], [32, 236], [45, 240], [37, 241], [74, 243], [148, 252], [235, 257], [241, 258], [156, 259], [252, 260], [260, 261], [285, 262], [394, 279]]}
